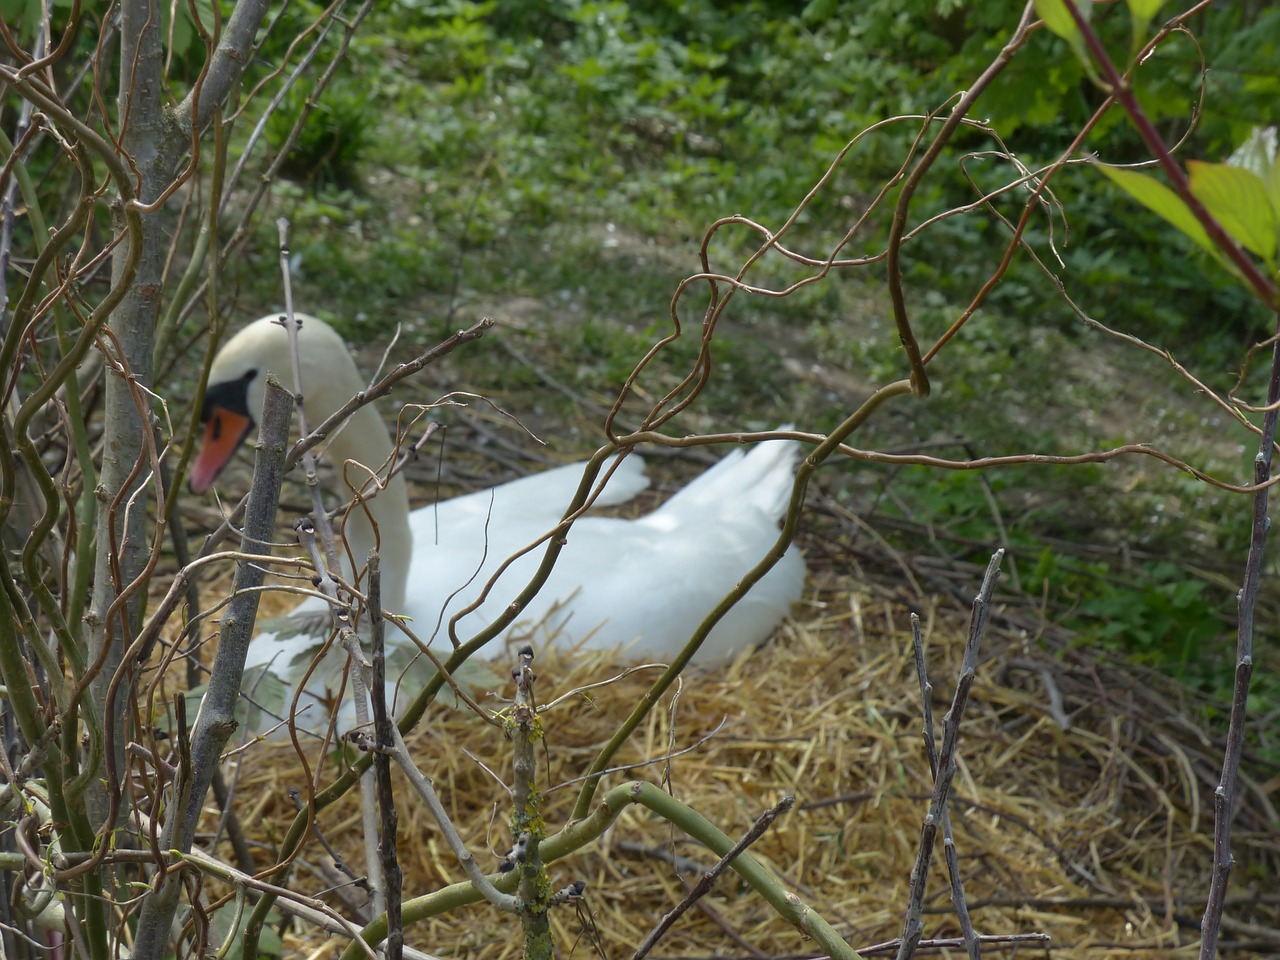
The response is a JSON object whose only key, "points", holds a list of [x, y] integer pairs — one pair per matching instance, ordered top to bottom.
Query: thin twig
{"points": [[399, 751], [931, 752], [708, 879], [913, 926], [1014, 940]]}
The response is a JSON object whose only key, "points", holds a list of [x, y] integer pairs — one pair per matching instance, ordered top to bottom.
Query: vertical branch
{"points": [[1120, 87], [143, 138], [9, 196], [292, 324], [357, 675], [216, 719], [931, 752], [946, 761], [1224, 795], [527, 827], [387, 894]]}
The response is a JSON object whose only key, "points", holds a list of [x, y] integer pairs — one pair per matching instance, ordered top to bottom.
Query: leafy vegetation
{"points": [[661, 117]]}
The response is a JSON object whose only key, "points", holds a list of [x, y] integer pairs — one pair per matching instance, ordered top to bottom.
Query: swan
{"points": [[642, 585]]}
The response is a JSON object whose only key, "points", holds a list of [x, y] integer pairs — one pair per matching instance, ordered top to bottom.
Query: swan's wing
{"points": [[545, 494], [459, 543], [618, 580], [632, 584], [650, 587]]}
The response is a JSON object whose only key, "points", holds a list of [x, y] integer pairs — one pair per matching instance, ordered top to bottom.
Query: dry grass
{"points": [[1082, 806], [1098, 834]]}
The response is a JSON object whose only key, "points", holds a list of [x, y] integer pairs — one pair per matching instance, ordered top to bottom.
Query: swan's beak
{"points": [[224, 431]]}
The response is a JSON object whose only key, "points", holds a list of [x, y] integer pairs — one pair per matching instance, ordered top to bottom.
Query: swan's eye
{"points": [[228, 396]]}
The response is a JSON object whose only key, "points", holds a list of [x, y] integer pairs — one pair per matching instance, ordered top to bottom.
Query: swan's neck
{"points": [[381, 521]]}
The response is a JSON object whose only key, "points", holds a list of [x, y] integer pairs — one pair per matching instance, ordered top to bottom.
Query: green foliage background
{"points": [[500, 119]]}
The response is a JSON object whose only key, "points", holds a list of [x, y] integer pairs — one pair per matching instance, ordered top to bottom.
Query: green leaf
{"points": [[1144, 9], [819, 11], [1141, 12], [24, 14], [1057, 17], [1258, 154], [1273, 187], [1158, 198], [1237, 198], [1184, 593]]}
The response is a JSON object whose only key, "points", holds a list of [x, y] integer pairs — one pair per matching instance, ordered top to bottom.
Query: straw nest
{"points": [[1082, 805]]}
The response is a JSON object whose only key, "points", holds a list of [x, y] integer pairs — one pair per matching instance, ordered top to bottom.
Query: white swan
{"points": [[642, 584]]}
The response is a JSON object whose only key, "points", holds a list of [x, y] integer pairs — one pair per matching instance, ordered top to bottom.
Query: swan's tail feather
{"points": [[761, 477], [627, 481]]}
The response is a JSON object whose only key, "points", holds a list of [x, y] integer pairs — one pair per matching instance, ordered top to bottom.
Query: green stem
{"points": [[582, 832]]}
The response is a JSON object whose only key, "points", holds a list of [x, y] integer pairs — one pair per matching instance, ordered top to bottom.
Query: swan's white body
{"points": [[643, 585]]}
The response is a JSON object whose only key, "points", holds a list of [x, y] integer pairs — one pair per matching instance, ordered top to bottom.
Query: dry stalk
{"points": [[944, 767]]}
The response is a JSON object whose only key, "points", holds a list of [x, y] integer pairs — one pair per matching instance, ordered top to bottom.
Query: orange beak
{"points": [[224, 431]]}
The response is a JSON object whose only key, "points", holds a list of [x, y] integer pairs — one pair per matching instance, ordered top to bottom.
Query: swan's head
{"points": [[237, 385]]}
